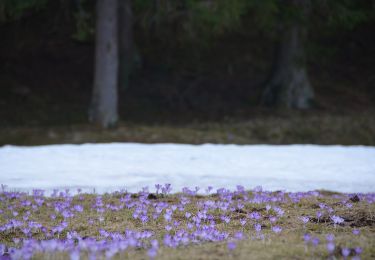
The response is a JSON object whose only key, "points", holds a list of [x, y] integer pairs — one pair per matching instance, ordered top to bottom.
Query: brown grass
{"points": [[296, 128], [289, 244]]}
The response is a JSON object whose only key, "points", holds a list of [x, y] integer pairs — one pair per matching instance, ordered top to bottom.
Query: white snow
{"points": [[131, 166]]}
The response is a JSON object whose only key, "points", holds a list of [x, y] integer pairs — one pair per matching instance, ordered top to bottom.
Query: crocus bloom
{"points": [[273, 219], [305, 219], [337, 219], [257, 227], [276, 229], [356, 232], [239, 235], [306, 237], [330, 237], [315, 241], [231, 245], [330, 247], [152, 252], [345, 252]]}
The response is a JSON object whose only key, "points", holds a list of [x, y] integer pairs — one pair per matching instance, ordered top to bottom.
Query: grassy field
{"points": [[221, 224]]}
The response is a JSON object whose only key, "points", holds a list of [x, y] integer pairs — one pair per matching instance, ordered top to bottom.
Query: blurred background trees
{"points": [[214, 58], [103, 110]]}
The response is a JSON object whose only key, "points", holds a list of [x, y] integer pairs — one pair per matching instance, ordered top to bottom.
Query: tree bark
{"points": [[126, 42], [289, 85], [104, 111]]}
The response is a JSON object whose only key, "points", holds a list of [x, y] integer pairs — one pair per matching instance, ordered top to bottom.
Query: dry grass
{"points": [[295, 128], [288, 244]]}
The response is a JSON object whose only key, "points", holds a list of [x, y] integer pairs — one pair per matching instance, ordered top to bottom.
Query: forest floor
{"points": [[310, 128]]}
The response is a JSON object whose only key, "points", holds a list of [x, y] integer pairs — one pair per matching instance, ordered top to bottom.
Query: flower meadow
{"points": [[191, 224]]}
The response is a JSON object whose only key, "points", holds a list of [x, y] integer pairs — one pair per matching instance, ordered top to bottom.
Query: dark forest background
{"points": [[197, 71]]}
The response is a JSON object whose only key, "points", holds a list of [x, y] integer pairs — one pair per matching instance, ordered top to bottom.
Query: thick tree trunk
{"points": [[126, 44], [289, 85], [103, 109]]}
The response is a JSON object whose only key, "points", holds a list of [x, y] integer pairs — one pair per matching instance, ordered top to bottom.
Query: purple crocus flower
{"points": [[158, 187], [240, 188], [166, 189], [322, 205], [78, 208], [279, 211], [255, 215], [168, 217], [144, 218], [225, 219], [273, 219], [305, 219], [337, 220], [190, 225], [168, 227], [257, 227], [276, 229], [239, 236], [330, 237], [307, 238], [168, 241], [315, 241], [155, 243], [231, 245], [331, 247], [358, 250], [345, 252], [152, 253], [75, 255]]}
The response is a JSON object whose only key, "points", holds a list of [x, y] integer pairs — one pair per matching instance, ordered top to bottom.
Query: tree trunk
{"points": [[126, 43], [289, 85], [104, 101]]}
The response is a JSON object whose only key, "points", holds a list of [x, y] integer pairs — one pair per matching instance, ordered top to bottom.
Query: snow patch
{"points": [[131, 166]]}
